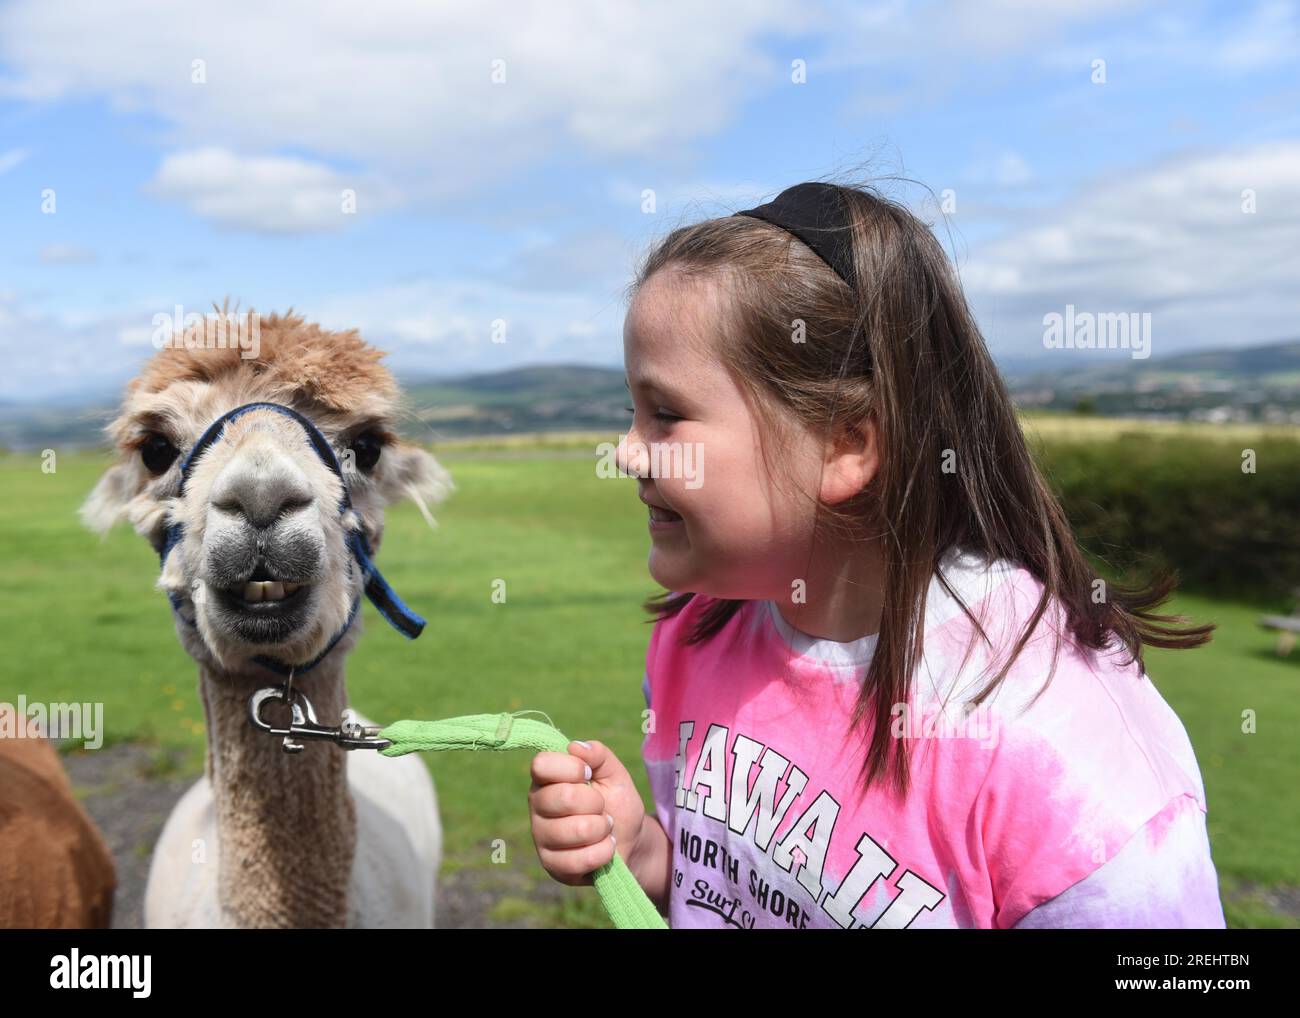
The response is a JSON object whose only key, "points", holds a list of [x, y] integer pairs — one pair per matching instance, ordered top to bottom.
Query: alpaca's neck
{"points": [[286, 822]]}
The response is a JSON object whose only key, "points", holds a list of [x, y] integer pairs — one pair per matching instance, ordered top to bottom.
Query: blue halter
{"points": [[376, 587]]}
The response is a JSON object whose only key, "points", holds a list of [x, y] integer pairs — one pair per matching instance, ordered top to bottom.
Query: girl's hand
{"points": [[583, 806]]}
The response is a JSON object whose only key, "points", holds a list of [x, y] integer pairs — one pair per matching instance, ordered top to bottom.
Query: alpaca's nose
{"points": [[262, 486], [261, 507]]}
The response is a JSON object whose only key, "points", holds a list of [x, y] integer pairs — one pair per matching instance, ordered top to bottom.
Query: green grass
{"points": [[1061, 425], [83, 622], [1250, 781]]}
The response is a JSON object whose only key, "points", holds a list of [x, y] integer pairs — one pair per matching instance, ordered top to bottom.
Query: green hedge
{"points": [[1184, 501]]}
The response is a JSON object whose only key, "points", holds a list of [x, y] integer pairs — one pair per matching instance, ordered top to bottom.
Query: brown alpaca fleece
{"points": [[296, 359], [288, 823], [55, 869]]}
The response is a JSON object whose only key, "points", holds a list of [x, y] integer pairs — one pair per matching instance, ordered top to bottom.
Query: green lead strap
{"points": [[626, 903]]}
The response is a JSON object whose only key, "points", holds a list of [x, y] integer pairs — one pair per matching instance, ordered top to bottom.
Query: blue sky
{"points": [[521, 200]]}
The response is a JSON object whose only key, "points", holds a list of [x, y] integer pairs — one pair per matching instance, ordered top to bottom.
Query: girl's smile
{"points": [[662, 519]]}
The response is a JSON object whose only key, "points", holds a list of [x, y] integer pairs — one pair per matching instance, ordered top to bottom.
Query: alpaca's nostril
{"points": [[293, 505]]}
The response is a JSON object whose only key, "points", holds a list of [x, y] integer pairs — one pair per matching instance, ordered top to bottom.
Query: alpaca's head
{"points": [[263, 566]]}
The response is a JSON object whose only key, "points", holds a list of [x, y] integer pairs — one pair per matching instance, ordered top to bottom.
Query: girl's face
{"points": [[719, 524]]}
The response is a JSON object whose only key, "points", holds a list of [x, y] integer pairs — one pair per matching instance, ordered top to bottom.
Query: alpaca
{"points": [[254, 533], [55, 869]]}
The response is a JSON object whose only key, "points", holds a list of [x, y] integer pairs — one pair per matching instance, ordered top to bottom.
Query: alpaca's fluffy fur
{"points": [[297, 360], [365, 826]]}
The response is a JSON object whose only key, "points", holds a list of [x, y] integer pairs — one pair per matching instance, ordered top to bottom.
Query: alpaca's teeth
{"points": [[258, 590], [269, 590]]}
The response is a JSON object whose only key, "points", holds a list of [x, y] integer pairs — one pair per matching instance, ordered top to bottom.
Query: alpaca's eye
{"points": [[366, 447], [158, 453]]}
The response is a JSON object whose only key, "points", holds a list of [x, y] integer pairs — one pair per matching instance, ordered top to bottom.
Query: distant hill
{"points": [[1276, 363], [1252, 384], [548, 397], [552, 397], [26, 426]]}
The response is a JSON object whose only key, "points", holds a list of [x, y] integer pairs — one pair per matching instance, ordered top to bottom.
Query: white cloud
{"points": [[1267, 34], [1248, 38], [923, 55], [405, 87], [10, 159], [1006, 169], [1012, 170], [266, 194], [707, 197], [1171, 239], [66, 254], [586, 258], [426, 326], [441, 326], [48, 355]]}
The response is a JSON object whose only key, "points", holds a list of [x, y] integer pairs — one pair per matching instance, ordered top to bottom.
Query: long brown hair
{"points": [[904, 351]]}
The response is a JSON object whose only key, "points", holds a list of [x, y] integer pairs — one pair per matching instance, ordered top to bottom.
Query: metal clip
{"points": [[349, 733]]}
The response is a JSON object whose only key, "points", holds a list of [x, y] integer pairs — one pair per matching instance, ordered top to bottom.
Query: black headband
{"points": [[818, 215]]}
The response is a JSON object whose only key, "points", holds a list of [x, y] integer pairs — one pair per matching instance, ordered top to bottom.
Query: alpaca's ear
{"points": [[407, 471], [107, 504]]}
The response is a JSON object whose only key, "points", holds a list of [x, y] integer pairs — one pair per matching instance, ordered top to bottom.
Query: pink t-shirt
{"points": [[1083, 809]]}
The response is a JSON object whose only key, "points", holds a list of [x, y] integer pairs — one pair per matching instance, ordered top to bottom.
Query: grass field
{"points": [[1052, 426], [83, 622]]}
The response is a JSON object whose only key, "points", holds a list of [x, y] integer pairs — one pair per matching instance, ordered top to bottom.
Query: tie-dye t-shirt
{"points": [[1084, 808]]}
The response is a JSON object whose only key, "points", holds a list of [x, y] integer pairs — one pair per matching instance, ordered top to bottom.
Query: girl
{"points": [[886, 688]]}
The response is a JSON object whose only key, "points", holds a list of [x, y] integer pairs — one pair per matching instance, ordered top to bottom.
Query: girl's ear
{"points": [[851, 463], [407, 471]]}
